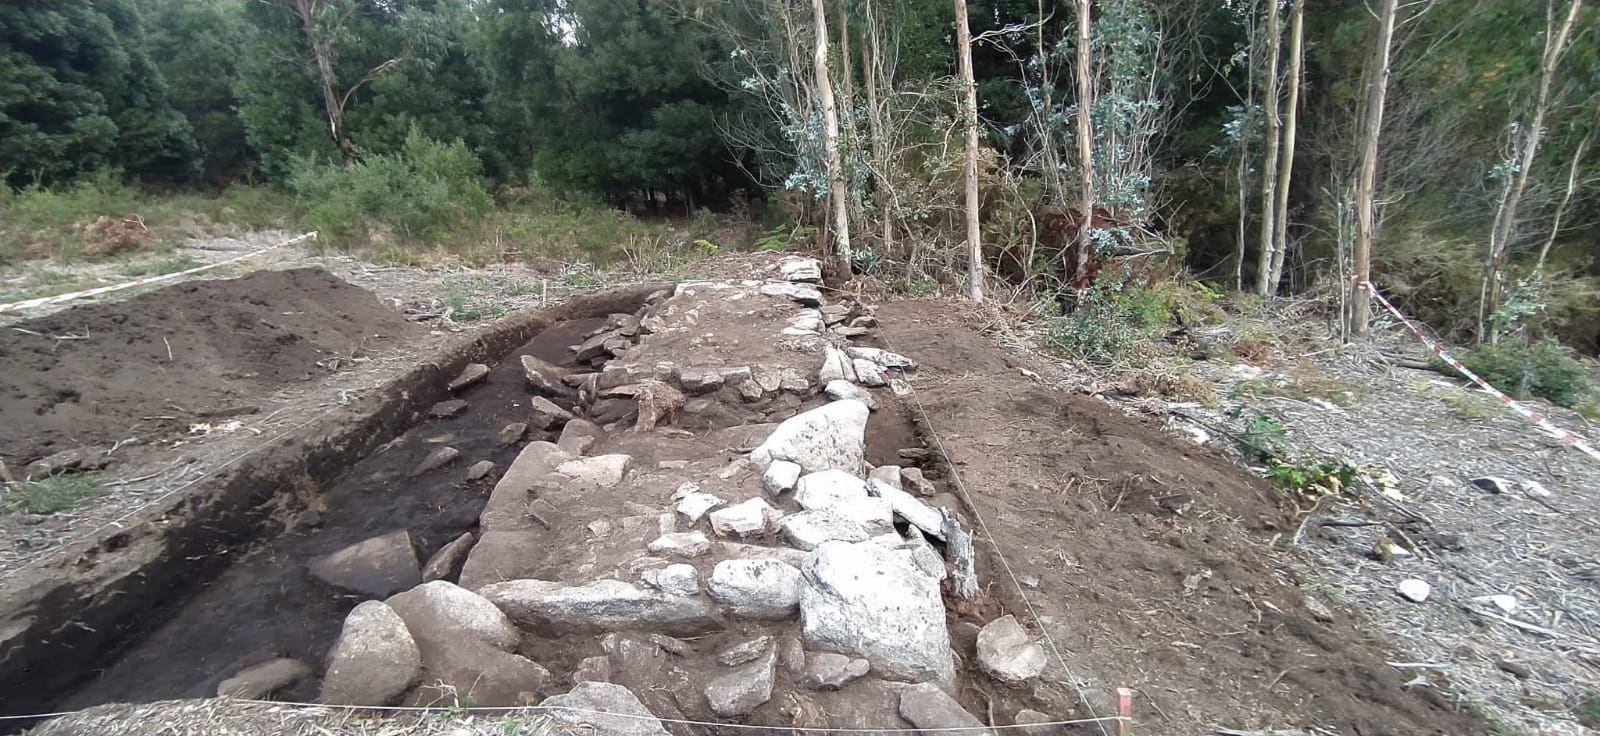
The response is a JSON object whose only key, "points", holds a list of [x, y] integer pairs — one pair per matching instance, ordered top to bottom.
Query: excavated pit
{"points": [[257, 595]]}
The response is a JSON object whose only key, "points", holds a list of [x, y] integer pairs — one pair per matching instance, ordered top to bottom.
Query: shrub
{"points": [[422, 192], [1111, 319], [1541, 369]]}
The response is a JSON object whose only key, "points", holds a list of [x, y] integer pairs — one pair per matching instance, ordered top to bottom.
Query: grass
{"points": [[46, 223], [161, 266], [1471, 407], [49, 495], [1588, 710]]}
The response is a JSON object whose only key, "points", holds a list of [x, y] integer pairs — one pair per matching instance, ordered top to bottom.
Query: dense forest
{"points": [[1275, 147]]}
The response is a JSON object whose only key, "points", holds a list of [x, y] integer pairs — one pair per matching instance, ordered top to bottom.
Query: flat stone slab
{"points": [[498, 556], [375, 567], [756, 588], [603, 604], [926, 706], [603, 708]]}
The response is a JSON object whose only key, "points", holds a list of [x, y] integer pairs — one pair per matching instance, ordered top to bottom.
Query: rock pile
{"points": [[802, 573]]}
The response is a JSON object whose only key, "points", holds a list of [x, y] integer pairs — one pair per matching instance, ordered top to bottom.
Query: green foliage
{"points": [[196, 45], [78, 94], [421, 192], [41, 222], [786, 237], [1110, 321], [1542, 368], [1262, 437], [1312, 475], [49, 495], [1588, 710]]}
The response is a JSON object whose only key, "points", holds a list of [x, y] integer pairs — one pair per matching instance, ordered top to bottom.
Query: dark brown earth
{"points": [[200, 351], [1153, 557], [266, 605]]}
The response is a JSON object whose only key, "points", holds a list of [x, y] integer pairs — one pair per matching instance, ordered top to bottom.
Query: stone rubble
{"points": [[751, 518], [811, 561], [756, 588], [1007, 652]]}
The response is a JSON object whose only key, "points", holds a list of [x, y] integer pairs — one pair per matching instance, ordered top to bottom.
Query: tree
{"points": [[325, 29], [196, 46], [1084, 73], [78, 94], [969, 114], [1525, 150], [1366, 178], [1270, 181], [838, 197], [1280, 218]]}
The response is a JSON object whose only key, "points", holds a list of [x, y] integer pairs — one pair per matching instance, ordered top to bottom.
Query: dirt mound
{"points": [[194, 352], [1151, 560]]}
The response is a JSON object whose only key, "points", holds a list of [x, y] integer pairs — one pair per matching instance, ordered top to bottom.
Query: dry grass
{"points": [[244, 718]]}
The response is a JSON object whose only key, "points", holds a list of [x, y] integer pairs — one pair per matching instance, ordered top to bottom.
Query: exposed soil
{"points": [[200, 351], [1151, 558], [1144, 559], [265, 605]]}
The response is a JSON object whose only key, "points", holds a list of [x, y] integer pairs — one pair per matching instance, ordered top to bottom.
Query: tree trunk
{"points": [[1555, 46], [322, 55], [870, 61], [1270, 100], [969, 111], [1366, 179], [838, 197], [1561, 209], [1280, 237], [1085, 244]]}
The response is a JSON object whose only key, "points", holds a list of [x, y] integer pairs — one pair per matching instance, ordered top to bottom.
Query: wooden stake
{"points": [[544, 292], [1124, 711]]}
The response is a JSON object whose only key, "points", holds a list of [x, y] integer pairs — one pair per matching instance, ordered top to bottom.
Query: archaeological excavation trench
{"points": [[705, 503]]}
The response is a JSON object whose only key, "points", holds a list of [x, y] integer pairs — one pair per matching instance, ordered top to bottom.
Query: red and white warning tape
{"points": [[42, 301], [1538, 419]]}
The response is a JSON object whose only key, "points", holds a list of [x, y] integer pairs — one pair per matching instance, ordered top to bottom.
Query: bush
{"points": [[422, 192], [1111, 319], [1541, 369]]}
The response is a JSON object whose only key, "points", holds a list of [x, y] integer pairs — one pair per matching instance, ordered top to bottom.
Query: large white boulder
{"points": [[829, 437], [866, 600], [374, 661]]}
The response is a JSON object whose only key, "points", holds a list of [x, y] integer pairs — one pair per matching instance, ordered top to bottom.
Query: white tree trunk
{"points": [[871, 59], [1085, 74], [1270, 100], [969, 105], [1366, 179], [838, 198], [1280, 237]]}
